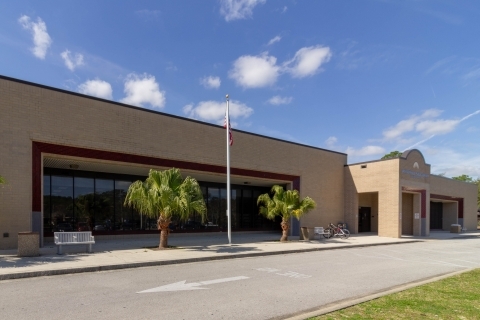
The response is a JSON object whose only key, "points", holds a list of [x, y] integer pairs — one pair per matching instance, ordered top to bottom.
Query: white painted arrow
{"points": [[179, 286]]}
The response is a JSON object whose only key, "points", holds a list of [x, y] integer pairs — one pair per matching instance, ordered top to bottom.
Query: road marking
{"points": [[445, 251], [467, 261], [444, 262], [268, 269], [290, 274], [182, 286]]}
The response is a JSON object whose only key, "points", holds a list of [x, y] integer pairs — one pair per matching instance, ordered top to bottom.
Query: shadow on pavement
{"points": [[224, 249], [12, 261]]}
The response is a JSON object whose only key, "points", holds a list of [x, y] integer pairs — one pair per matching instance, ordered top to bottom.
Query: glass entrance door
{"points": [[364, 215], [436, 215]]}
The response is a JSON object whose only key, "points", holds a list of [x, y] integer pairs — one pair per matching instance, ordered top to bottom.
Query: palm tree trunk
{"points": [[162, 225], [285, 226]]}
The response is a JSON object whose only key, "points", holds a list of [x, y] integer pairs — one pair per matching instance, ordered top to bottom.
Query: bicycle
{"points": [[336, 231]]}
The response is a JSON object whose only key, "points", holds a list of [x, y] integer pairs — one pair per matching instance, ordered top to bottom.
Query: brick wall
{"points": [[34, 113]]}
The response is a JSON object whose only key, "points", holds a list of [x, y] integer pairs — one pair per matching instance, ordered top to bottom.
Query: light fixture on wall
{"points": [[74, 166]]}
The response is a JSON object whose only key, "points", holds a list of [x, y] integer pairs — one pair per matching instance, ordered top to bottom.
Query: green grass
{"points": [[456, 297]]}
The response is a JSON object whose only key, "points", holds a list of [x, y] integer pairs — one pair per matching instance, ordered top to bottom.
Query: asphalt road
{"points": [[250, 288]]}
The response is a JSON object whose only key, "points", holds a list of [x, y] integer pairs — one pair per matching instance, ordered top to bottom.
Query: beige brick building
{"points": [[69, 158], [399, 196]]}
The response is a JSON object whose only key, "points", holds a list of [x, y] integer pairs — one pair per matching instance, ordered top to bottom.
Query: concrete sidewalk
{"points": [[140, 252]]}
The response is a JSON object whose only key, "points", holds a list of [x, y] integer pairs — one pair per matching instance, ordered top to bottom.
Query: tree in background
{"points": [[391, 155], [464, 178], [467, 178], [2, 180], [165, 195], [286, 204]]}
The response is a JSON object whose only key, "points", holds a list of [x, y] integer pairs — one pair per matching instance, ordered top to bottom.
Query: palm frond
{"points": [[166, 194], [284, 203]]}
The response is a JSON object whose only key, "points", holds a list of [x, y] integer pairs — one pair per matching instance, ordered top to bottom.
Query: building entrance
{"points": [[436, 215], [364, 221]]}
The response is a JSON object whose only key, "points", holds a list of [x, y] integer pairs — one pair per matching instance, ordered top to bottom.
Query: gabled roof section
{"points": [[406, 153]]}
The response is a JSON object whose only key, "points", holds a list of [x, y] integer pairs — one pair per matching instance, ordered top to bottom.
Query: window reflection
{"points": [[104, 195], [94, 201], [62, 203], [84, 204], [213, 207], [233, 207], [247, 207], [47, 214], [123, 214]]}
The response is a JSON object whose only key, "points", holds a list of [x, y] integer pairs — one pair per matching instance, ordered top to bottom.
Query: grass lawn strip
{"points": [[457, 297]]}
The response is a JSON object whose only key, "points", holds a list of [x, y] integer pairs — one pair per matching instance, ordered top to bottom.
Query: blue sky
{"points": [[360, 77]]}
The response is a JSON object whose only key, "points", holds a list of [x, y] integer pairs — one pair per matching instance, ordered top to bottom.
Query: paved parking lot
{"points": [[263, 287]]}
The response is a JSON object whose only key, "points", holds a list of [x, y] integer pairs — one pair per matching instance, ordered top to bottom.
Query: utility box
{"points": [[455, 228], [28, 244]]}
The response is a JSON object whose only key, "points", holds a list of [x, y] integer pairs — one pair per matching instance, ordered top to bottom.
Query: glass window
{"points": [[62, 203], [84, 204], [247, 204], [213, 207], [233, 207], [104, 210], [47, 214], [123, 214], [258, 219], [223, 221]]}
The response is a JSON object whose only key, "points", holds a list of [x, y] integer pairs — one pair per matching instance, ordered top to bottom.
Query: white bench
{"points": [[319, 231], [71, 238]]}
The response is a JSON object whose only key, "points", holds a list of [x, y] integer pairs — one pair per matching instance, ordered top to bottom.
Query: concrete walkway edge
{"points": [[31, 274]]}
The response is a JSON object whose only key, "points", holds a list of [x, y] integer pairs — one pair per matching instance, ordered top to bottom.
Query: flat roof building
{"points": [[69, 159]]}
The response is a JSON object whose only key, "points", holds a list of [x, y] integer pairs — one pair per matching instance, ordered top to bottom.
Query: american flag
{"points": [[229, 127]]}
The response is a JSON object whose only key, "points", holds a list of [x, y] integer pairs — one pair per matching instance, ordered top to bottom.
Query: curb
{"points": [[32, 274], [343, 304]]}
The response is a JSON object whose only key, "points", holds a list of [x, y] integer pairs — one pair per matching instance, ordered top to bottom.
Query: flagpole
{"points": [[228, 175]]}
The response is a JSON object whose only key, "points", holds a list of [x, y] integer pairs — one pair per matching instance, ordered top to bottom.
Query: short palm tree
{"points": [[165, 195], [286, 204]]}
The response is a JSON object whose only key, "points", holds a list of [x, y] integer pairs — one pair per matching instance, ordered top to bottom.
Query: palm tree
{"points": [[2, 180], [164, 195], [285, 204]]}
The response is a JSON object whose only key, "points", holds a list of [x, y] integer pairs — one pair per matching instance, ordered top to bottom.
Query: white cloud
{"points": [[285, 8], [238, 9], [148, 14], [41, 39], [273, 40], [307, 61], [71, 62], [439, 64], [255, 71], [210, 82], [97, 88], [143, 89], [277, 100], [214, 111], [424, 124], [408, 125], [440, 126], [434, 127], [331, 141], [419, 143], [365, 151], [453, 163]]}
